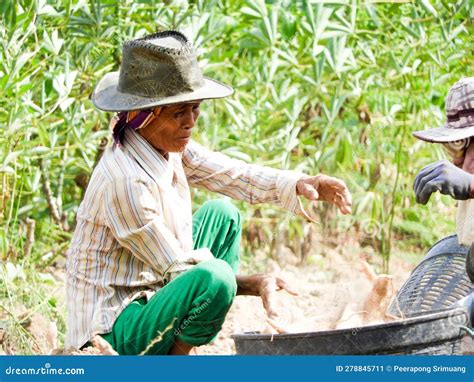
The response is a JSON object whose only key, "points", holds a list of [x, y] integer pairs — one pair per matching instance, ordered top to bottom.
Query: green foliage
{"points": [[321, 86], [333, 86]]}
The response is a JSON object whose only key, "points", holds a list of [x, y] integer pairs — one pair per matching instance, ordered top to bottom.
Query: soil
{"points": [[328, 285], [325, 289]]}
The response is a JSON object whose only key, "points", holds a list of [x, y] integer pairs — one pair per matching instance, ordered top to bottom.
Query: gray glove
{"points": [[444, 177]]}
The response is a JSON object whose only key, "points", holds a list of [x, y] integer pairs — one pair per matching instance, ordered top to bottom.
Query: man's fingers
{"points": [[425, 171], [421, 175], [425, 176], [338, 184], [329, 187], [341, 189], [428, 189], [309, 191], [421, 191], [343, 197], [347, 197], [342, 204], [282, 284], [268, 294], [268, 297], [269, 305], [280, 329]]}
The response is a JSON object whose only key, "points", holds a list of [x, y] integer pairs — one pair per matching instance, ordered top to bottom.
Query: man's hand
{"points": [[444, 177], [326, 188], [264, 285]]}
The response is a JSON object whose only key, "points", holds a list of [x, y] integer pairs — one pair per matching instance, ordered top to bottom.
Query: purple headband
{"points": [[121, 124]]}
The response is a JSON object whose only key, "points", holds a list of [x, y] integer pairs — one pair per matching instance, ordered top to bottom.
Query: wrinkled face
{"points": [[171, 130]]}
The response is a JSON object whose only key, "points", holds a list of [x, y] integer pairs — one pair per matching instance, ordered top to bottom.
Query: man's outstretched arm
{"points": [[260, 184]]}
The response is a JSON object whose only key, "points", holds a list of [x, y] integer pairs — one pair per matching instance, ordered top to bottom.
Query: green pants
{"points": [[193, 306]]}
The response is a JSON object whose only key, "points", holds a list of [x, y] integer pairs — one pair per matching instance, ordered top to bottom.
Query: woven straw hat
{"points": [[159, 69]]}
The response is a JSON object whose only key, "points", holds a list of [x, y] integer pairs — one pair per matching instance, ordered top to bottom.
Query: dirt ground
{"points": [[325, 288]]}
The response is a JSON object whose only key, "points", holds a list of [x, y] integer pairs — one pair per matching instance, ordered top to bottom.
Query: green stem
{"points": [[394, 190]]}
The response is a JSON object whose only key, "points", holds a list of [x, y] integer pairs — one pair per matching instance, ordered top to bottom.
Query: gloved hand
{"points": [[444, 177]]}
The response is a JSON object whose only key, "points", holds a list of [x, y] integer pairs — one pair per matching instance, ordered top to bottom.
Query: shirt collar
{"points": [[155, 165]]}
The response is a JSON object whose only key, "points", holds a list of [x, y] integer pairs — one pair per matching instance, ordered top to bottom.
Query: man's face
{"points": [[171, 130]]}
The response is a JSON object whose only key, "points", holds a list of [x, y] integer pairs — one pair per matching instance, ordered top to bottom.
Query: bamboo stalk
{"points": [[53, 207], [30, 237]]}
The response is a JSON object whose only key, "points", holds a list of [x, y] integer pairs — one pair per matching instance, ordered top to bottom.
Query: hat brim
{"points": [[107, 97], [445, 134]]}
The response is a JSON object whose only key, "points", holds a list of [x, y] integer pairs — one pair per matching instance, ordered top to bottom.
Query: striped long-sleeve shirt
{"points": [[134, 225]]}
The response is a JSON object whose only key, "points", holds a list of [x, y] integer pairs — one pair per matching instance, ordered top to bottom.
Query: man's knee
{"points": [[223, 208], [219, 278], [217, 285]]}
